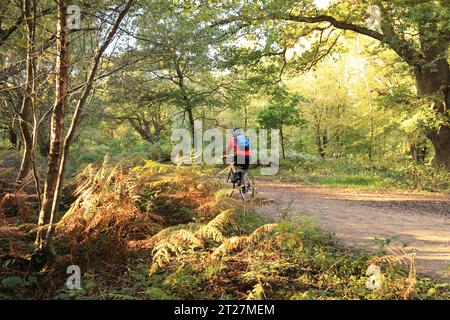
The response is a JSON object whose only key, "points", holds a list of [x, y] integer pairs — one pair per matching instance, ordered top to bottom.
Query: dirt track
{"points": [[357, 217]]}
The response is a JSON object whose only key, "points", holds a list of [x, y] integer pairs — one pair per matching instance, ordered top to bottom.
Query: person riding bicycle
{"points": [[239, 147]]}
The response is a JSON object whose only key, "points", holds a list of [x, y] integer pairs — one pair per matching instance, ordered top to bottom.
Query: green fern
{"points": [[221, 220], [210, 232]]}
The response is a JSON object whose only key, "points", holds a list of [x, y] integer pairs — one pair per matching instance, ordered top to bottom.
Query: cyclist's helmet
{"points": [[236, 131]]}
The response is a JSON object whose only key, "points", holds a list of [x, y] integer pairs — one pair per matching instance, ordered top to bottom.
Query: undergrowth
{"points": [[364, 174], [161, 232], [289, 260]]}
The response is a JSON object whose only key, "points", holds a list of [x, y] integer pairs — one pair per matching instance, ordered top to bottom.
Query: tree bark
{"points": [[436, 81], [27, 104], [188, 108], [245, 117], [191, 122], [57, 126], [321, 136], [12, 137], [44, 139], [319, 141], [441, 142], [65, 143], [413, 150], [25, 166]]}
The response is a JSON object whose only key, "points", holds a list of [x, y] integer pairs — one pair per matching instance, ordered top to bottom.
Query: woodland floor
{"points": [[420, 221]]}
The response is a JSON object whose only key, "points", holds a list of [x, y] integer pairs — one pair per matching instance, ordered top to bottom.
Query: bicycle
{"points": [[245, 183]]}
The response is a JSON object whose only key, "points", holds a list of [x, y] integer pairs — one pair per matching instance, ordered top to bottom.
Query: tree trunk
{"points": [[437, 82], [27, 104], [188, 106], [77, 116], [245, 117], [191, 123], [57, 126], [142, 130], [12, 138], [43, 142], [282, 142], [319, 142], [441, 142], [370, 146], [413, 150], [418, 151], [25, 166]]}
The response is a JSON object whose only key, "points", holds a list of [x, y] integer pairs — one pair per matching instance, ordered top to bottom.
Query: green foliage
{"points": [[239, 63], [281, 110], [125, 145], [363, 174], [423, 177], [225, 254], [296, 261], [214, 270], [14, 281], [183, 282], [90, 283], [18, 287], [154, 293]]}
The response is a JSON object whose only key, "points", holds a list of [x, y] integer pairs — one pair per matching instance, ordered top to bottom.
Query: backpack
{"points": [[242, 142]]}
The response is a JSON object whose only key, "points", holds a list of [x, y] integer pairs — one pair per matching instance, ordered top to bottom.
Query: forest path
{"points": [[357, 217]]}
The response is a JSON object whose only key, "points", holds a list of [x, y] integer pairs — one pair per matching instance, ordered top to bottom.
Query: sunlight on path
{"points": [[422, 222]]}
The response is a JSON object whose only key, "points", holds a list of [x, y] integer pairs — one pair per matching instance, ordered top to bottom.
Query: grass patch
{"points": [[362, 174]]}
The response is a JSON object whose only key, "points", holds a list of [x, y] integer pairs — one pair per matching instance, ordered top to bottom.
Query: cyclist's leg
{"points": [[243, 162], [246, 163], [245, 167], [234, 170], [248, 181]]}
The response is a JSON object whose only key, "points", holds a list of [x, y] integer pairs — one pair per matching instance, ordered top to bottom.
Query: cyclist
{"points": [[239, 146]]}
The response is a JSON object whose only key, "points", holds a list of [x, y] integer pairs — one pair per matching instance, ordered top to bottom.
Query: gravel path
{"points": [[357, 217]]}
